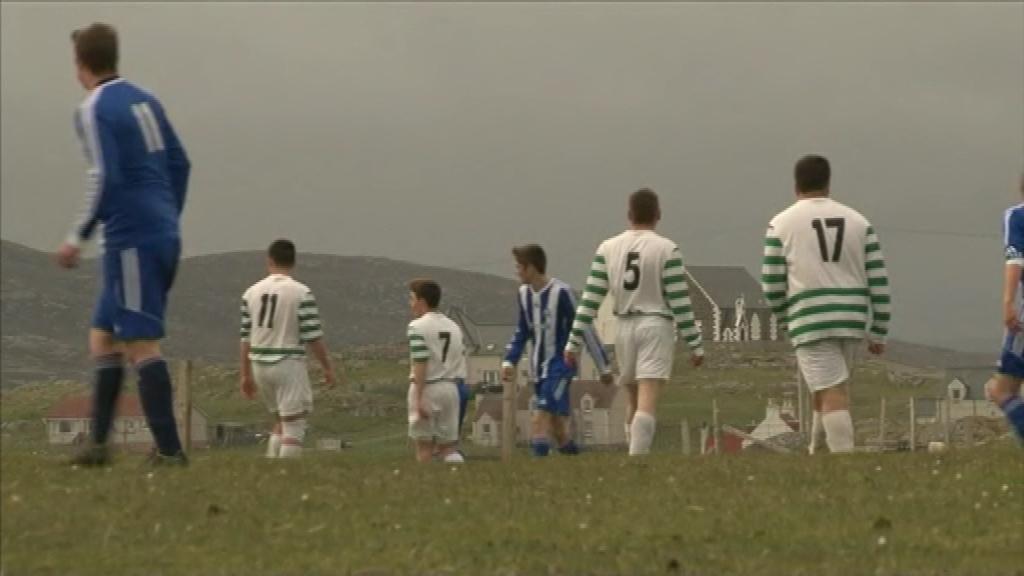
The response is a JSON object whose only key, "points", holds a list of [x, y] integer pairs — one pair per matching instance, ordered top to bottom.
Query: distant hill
{"points": [[363, 301], [46, 310]]}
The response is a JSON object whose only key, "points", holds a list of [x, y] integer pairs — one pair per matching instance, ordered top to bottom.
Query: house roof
{"points": [[724, 284], [485, 338], [973, 378], [490, 404], [78, 407]]}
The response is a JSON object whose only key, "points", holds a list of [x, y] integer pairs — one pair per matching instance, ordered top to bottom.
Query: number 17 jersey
{"points": [[279, 317]]}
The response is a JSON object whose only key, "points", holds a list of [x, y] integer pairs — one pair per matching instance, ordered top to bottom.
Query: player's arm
{"points": [[178, 164], [103, 173], [1014, 262], [774, 283], [878, 287], [593, 294], [677, 295], [566, 316], [312, 335], [514, 349], [419, 355], [247, 385]]}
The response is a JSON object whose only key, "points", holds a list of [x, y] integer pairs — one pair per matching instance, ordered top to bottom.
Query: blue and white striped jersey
{"points": [[138, 171], [545, 322]]}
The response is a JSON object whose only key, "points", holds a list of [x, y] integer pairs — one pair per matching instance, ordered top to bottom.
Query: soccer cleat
{"points": [[92, 456], [158, 460]]}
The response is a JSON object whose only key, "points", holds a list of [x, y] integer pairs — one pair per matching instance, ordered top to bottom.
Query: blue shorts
{"points": [[136, 282], [1011, 362], [551, 394], [464, 395]]}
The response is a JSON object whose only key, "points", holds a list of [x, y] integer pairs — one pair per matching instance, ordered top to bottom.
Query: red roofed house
{"points": [[69, 422]]}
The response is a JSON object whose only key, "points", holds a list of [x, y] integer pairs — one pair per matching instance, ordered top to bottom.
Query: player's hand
{"points": [[67, 255], [1010, 318], [876, 348], [570, 359], [696, 360], [508, 373], [329, 379], [607, 379], [248, 386], [422, 409]]}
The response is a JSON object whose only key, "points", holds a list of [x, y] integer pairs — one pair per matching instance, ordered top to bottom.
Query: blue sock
{"points": [[109, 376], [158, 404], [1014, 410], [539, 447], [569, 447]]}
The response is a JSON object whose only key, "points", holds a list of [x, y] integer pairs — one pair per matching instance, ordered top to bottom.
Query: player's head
{"points": [[95, 53], [812, 175], [644, 209], [281, 255], [531, 262], [424, 296]]}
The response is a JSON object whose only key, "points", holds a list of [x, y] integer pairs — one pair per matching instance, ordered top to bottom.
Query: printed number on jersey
{"points": [[150, 129], [840, 225], [631, 280], [266, 317]]}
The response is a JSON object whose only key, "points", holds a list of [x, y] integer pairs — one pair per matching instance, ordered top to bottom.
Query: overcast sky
{"points": [[445, 133]]}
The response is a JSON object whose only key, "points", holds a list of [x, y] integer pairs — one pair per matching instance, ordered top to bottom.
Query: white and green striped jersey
{"points": [[824, 273], [644, 274], [279, 317], [437, 340]]}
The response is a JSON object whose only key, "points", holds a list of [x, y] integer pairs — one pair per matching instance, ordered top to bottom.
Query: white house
{"points": [[962, 396], [598, 415], [778, 420], [69, 422]]}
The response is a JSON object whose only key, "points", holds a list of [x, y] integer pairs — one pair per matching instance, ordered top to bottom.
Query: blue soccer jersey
{"points": [[138, 171], [1011, 361]]}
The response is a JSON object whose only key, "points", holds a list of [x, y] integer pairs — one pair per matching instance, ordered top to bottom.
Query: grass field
{"points": [[370, 512]]}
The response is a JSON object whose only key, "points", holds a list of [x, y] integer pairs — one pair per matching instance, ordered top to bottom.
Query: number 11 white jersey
{"points": [[279, 317]]}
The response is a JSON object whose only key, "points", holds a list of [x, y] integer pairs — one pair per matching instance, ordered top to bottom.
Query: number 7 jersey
{"points": [[824, 273], [279, 317], [437, 340]]}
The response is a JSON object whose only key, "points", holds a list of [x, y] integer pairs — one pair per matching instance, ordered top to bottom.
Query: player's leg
{"points": [[147, 274], [655, 351], [625, 353], [825, 366], [108, 368], [266, 377], [1004, 390], [295, 399], [445, 399], [560, 415], [540, 420], [644, 421], [420, 429], [274, 441]]}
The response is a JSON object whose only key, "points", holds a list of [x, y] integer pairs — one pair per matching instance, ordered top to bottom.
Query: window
{"points": [[490, 376], [956, 393], [587, 403], [64, 427], [487, 428], [588, 429]]}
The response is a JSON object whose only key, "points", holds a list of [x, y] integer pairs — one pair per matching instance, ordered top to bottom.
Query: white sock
{"points": [[838, 430], [815, 432], [641, 434], [292, 435], [628, 435], [274, 446], [454, 458]]}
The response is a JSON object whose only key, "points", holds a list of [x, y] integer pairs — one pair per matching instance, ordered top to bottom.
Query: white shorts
{"points": [[644, 348], [827, 363], [284, 386], [442, 399]]}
